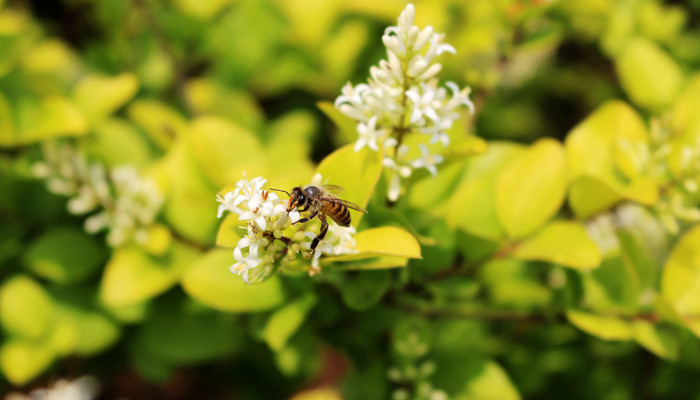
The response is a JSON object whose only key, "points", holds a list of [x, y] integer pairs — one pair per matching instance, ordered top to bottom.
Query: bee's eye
{"points": [[301, 200]]}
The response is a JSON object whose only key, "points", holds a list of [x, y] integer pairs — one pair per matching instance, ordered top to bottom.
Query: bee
{"points": [[320, 202]]}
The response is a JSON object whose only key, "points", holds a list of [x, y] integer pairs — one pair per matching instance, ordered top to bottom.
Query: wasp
{"points": [[321, 202]]}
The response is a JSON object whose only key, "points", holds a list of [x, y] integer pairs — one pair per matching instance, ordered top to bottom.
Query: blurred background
{"points": [[188, 94]]}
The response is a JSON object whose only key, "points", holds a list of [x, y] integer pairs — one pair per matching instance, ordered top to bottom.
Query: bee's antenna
{"points": [[283, 191]]}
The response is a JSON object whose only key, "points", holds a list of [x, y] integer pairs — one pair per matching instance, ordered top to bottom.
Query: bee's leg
{"points": [[313, 214], [321, 234]]}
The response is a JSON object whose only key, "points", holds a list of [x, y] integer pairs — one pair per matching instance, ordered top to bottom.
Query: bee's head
{"points": [[296, 199]]}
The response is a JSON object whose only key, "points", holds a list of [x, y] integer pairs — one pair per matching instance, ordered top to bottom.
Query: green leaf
{"points": [[648, 74], [99, 96], [346, 125], [7, 126], [356, 172], [530, 189], [428, 193], [473, 203], [563, 243], [53, 256], [132, 276], [680, 280], [209, 281], [515, 284], [612, 287], [364, 289], [26, 309], [131, 314], [284, 322], [604, 327], [176, 334], [655, 339], [22, 360]]}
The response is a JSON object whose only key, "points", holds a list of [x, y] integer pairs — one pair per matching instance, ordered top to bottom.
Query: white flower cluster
{"points": [[402, 96], [126, 204], [271, 241], [412, 371], [84, 388]]}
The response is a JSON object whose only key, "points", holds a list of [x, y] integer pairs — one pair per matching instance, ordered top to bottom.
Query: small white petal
{"points": [[394, 188]]}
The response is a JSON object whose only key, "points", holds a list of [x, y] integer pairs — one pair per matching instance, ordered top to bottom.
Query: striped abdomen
{"points": [[338, 212]]}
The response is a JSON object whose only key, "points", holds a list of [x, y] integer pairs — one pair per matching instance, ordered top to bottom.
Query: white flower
{"points": [[423, 104], [369, 134], [427, 160], [399, 171], [229, 202], [342, 238], [244, 263]]}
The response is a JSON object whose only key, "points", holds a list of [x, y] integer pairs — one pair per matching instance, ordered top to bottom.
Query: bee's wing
{"points": [[333, 189], [348, 204]]}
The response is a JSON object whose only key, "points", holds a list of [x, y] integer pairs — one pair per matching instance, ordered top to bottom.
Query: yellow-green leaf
{"points": [[202, 9], [648, 74], [99, 96], [47, 118], [685, 120], [162, 123], [116, 141], [591, 148], [223, 149], [356, 172], [531, 188], [190, 191], [589, 195], [473, 203], [230, 231], [387, 240], [563, 243], [378, 248], [364, 261], [132, 275], [209, 281], [680, 282], [26, 309], [287, 320], [604, 327], [82, 332], [654, 339], [22, 360], [491, 383]]}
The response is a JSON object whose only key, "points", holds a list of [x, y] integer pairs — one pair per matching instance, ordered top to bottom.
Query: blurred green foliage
{"points": [[559, 256]]}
